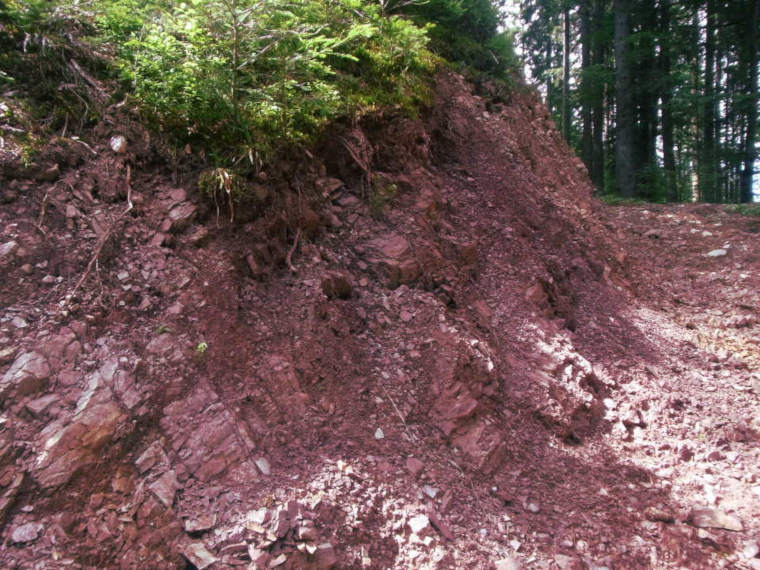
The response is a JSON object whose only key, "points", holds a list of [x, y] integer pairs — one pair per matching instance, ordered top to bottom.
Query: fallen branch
{"points": [[85, 145], [103, 239], [289, 257], [401, 417]]}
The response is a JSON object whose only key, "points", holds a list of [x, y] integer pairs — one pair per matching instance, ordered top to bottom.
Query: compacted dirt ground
{"points": [[424, 346]]}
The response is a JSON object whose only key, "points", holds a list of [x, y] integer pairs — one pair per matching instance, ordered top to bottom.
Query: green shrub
{"points": [[236, 75], [744, 209]]}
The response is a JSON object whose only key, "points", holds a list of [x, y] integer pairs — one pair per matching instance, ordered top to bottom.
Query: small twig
{"points": [[11, 129], [85, 145], [129, 189], [42, 212], [289, 257], [401, 416]]}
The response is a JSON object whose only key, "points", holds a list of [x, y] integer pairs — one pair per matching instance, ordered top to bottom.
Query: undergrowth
{"points": [[242, 81], [615, 200], [744, 209]]}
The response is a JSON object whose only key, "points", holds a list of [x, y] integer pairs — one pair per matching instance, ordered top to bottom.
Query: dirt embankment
{"points": [[426, 347]]}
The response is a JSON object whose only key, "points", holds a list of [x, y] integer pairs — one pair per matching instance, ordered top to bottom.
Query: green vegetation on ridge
{"points": [[244, 78]]}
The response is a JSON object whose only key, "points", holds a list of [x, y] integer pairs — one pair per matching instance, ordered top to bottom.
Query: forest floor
{"points": [[467, 362]]}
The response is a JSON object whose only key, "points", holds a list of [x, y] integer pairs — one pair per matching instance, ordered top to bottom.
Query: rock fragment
{"points": [[327, 186], [181, 216], [7, 250], [717, 253], [337, 286], [28, 374], [38, 407], [71, 444], [150, 457], [263, 466], [414, 466], [165, 487], [656, 514], [714, 518], [202, 523], [419, 523], [440, 526], [25, 533], [198, 555], [325, 556], [510, 563]]}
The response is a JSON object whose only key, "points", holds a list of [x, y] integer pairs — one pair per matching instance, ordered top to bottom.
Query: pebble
{"points": [[118, 144], [7, 249], [717, 253], [19, 323], [379, 434], [263, 466], [414, 466], [534, 508], [419, 523], [28, 532], [510, 563]]}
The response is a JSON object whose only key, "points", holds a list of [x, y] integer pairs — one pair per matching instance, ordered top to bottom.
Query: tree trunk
{"points": [[549, 86], [645, 86], [586, 87], [597, 113], [566, 117], [750, 138], [668, 154], [624, 157], [707, 166]]}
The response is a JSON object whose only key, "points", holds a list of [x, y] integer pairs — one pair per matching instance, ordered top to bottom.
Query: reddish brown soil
{"points": [[470, 336]]}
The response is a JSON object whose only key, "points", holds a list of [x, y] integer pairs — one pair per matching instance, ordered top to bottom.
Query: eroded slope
{"points": [[412, 350]]}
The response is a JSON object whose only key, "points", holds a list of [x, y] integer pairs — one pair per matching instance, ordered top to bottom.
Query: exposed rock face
{"points": [[466, 381], [205, 438], [73, 443]]}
